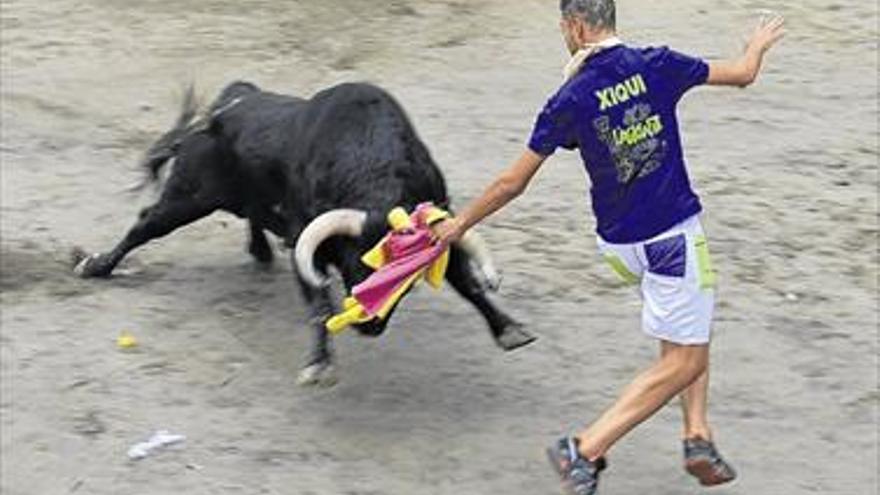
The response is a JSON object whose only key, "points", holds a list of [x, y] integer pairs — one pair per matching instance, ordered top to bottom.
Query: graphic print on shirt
{"points": [[634, 144]]}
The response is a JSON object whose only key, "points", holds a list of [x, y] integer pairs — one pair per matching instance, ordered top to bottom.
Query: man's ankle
{"points": [[698, 434], [587, 450]]}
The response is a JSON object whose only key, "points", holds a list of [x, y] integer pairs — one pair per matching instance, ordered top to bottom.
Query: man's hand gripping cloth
{"points": [[402, 258]]}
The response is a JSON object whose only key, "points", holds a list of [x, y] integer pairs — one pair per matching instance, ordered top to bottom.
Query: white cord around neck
{"points": [[581, 56]]}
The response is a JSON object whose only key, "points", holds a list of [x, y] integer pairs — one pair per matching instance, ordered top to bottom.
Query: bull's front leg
{"points": [[262, 218], [258, 245], [507, 332], [319, 369]]}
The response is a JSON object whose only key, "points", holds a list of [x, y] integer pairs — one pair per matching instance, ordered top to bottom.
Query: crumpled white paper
{"points": [[159, 439]]}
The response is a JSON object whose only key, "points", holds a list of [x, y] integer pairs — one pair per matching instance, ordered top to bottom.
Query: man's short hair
{"points": [[599, 14]]}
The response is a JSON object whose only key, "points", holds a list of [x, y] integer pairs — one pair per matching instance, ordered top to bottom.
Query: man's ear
{"points": [[580, 32]]}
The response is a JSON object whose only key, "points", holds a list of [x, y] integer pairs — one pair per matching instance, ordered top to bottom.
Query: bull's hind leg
{"points": [[196, 187], [154, 222], [507, 332]]}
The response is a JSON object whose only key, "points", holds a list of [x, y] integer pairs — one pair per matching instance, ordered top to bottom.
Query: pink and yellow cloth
{"points": [[400, 260]]}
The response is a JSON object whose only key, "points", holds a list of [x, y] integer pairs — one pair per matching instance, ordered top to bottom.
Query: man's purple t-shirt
{"points": [[619, 110]]}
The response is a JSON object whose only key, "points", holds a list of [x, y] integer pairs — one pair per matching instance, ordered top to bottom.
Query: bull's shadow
{"points": [[321, 174]]}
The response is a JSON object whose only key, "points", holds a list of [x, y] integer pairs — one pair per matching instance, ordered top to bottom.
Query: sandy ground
{"points": [[787, 170]]}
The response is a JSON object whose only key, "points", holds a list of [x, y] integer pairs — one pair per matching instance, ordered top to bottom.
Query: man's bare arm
{"points": [[744, 70], [507, 186]]}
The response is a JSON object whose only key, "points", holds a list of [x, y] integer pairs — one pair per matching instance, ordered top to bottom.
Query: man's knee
{"points": [[688, 362]]}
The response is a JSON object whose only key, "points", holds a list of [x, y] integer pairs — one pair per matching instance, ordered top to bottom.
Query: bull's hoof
{"points": [[87, 265], [492, 280], [513, 337], [320, 374]]}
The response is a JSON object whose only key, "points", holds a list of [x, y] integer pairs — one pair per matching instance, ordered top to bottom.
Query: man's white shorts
{"points": [[676, 281]]}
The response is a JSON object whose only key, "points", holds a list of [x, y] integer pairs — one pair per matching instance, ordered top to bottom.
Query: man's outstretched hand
{"points": [[767, 33], [744, 70]]}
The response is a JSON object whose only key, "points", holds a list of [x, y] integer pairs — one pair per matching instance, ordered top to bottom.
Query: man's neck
{"points": [[594, 38]]}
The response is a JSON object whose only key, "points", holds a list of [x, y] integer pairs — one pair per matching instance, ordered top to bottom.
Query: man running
{"points": [[618, 107]]}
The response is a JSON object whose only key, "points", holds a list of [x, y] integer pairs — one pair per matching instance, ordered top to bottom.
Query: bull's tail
{"points": [[166, 147]]}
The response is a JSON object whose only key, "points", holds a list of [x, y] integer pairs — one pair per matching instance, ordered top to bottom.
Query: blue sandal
{"points": [[702, 461], [580, 476]]}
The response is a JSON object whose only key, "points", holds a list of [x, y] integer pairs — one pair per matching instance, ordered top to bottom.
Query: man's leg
{"points": [[679, 366], [695, 407], [701, 458]]}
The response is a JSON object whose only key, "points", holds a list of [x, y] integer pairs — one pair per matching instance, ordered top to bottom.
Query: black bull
{"points": [[320, 173]]}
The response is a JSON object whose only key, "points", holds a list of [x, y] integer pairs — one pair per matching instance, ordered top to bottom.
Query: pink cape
{"points": [[410, 251]]}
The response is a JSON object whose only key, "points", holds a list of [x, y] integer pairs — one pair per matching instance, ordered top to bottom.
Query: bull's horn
{"points": [[334, 222], [474, 245]]}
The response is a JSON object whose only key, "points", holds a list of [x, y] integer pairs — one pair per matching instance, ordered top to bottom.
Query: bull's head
{"points": [[353, 223]]}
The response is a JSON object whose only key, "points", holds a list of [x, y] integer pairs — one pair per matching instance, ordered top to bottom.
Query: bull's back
{"points": [[259, 123], [256, 127], [367, 153]]}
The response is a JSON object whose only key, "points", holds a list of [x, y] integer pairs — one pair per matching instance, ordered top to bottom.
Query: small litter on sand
{"points": [[126, 341], [161, 438]]}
